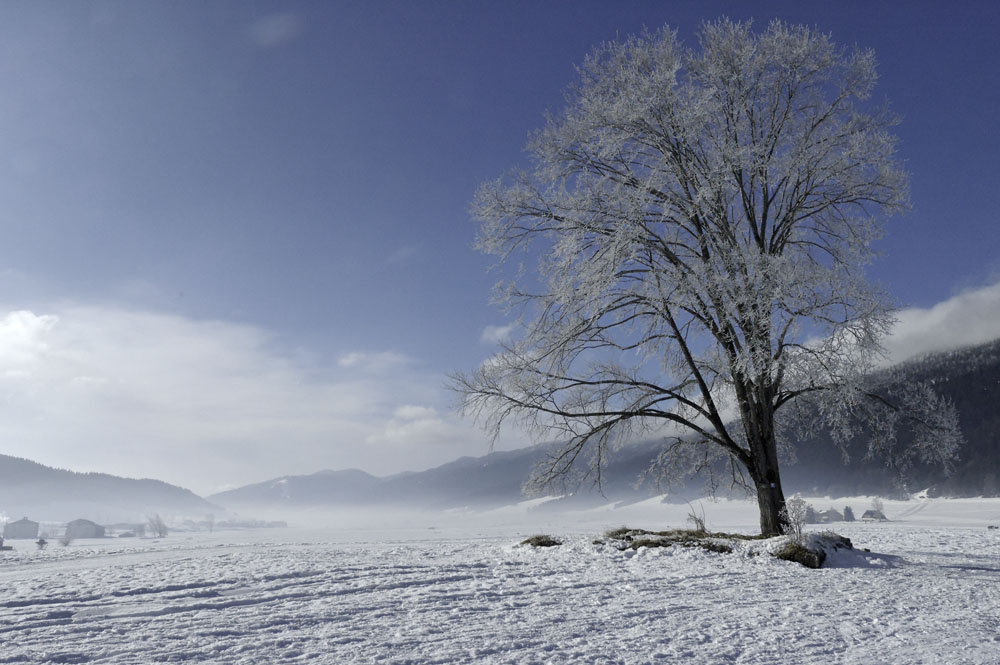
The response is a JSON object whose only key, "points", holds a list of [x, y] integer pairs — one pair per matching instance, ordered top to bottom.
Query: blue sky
{"points": [[236, 240]]}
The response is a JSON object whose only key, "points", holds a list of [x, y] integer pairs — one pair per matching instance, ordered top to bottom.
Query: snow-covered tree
{"points": [[702, 217], [795, 515], [158, 526]]}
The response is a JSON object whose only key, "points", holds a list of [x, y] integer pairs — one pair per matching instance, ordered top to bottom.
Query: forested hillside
{"points": [[29, 489]]}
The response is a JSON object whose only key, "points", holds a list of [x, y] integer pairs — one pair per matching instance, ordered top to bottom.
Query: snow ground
{"points": [[456, 589]]}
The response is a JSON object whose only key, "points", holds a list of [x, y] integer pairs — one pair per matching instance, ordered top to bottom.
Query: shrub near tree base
{"points": [[633, 539], [541, 540], [810, 550]]}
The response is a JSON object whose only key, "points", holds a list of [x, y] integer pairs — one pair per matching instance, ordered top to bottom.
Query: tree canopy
{"points": [[702, 218]]}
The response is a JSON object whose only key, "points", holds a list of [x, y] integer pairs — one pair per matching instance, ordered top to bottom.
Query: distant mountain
{"points": [[970, 377], [493, 479], [489, 481], [349, 487], [29, 489]]}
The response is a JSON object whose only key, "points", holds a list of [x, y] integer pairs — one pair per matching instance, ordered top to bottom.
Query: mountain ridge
{"points": [[968, 376], [29, 488]]}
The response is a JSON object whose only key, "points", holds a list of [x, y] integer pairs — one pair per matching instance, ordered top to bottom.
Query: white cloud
{"points": [[971, 317], [496, 334], [22, 337], [373, 362], [210, 403], [413, 412], [421, 423]]}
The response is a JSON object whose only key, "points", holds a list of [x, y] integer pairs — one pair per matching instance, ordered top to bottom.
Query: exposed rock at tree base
{"points": [[813, 549], [799, 553]]}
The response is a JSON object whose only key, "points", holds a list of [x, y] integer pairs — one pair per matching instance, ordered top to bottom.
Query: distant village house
{"points": [[828, 516], [874, 516], [23, 528], [84, 529]]}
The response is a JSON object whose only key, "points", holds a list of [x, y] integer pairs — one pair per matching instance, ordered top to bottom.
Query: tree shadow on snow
{"points": [[861, 559]]}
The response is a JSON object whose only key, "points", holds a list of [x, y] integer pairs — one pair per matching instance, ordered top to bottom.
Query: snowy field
{"points": [[456, 589]]}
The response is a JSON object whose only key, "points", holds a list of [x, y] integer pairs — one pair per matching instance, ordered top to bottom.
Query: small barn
{"points": [[828, 516], [874, 516], [23, 528], [84, 529]]}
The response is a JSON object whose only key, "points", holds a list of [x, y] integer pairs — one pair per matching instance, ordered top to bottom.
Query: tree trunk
{"points": [[767, 480], [770, 501]]}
